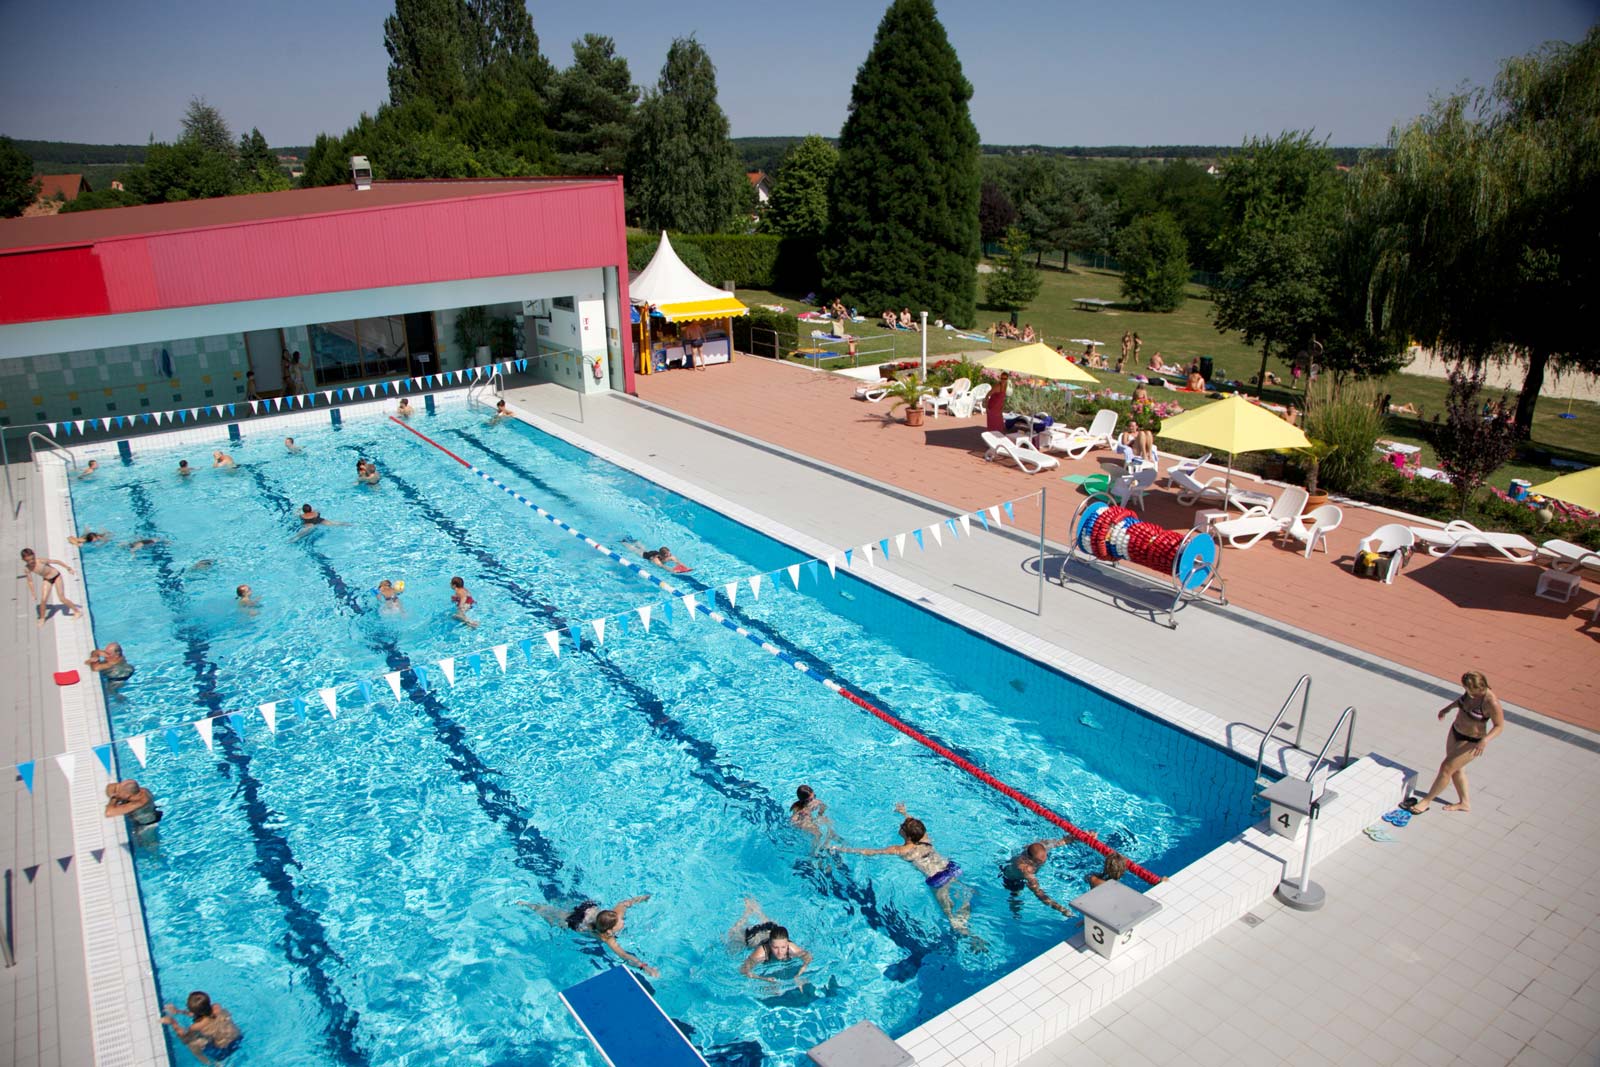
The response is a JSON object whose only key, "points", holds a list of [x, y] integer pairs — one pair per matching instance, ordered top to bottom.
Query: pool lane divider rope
{"points": [[1077, 833]]}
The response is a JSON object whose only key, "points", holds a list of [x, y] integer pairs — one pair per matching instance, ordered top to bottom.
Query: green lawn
{"points": [[1188, 332]]}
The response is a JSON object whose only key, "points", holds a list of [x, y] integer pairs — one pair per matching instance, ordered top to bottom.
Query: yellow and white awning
{"points": [[689, 310]]}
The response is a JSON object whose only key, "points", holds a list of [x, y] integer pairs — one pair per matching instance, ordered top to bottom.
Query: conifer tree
{"points": [[591, 105], [683, 173], [903, 226]]}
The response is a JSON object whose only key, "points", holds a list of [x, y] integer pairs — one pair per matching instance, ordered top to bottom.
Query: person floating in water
{"points": [[405, 409], [501, 413], [294, 449], [220, 460], [184, 470], [90, 471], [366, 472], [310, 519], [90, 537], [145, 542], [661, 557], [50, 584], [389, 595], [245, 597], [462, 599], [110, 664], [129, 798], [810, 814], [1115, 867], [1022, 872], [940, 874], [603, 923], [768, 942], [212, 1036]]}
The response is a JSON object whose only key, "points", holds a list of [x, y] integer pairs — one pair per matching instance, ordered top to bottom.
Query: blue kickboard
{"points": [[626, 1024]]}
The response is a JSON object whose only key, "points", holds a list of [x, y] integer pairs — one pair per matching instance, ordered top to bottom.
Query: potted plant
{"points": [[908, 393], [1314, 453]]}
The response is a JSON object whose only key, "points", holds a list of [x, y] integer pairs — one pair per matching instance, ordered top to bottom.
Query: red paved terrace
{"points": [[1441, 616]]}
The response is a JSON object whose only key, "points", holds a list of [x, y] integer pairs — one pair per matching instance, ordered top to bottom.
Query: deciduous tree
{"points": [[683, 173], [18, 186], [799, 205], [996, 213], [903, 227], [1155, 263], [1015, 281], [1470, 447]]}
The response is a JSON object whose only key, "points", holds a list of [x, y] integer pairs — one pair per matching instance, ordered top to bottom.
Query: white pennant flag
{"points": [[416, 381], [327, 394], [255, 407], [192, 412], [79, 424], [994, 513], [966, 525], [937, 538], [900, 543], [866, 553], [833, 565], [794, 574], [755, 586], [732, 592], [690, 603], [644, 616], [599, 631], [553, 639], [500, 656], [448, 665], [393, 678], [330, 700], [269, 712], [205, 727], [136, 744], [68, 762]]}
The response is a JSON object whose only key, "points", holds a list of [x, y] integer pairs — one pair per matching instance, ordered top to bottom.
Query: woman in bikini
{"points": [[49, 583], [462, 600], [1479, 720], [810, 814], [938, 873], [602, 923], [769, 943]]}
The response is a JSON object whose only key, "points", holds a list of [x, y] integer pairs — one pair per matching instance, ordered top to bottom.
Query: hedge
{"points": [[750, 261]]}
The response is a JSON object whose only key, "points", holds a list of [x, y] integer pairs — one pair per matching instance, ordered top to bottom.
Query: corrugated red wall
{"points": [[564, 227]]}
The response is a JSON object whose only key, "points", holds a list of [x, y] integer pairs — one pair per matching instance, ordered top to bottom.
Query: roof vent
{"points": [[361, 172]]}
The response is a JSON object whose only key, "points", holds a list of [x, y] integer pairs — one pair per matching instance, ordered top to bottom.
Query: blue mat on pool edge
{"points": [[626, 1024]]}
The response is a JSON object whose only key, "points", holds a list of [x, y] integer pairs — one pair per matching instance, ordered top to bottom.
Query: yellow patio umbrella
{"points": [[1038, 361], [1233, 425], [1581, 490]]}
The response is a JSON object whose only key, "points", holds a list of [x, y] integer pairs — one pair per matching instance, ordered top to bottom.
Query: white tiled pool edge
{"points": [[1046, 997], [124, 1008]]}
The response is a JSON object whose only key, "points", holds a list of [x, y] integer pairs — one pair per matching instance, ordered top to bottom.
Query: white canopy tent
{"points": [[677, 292]]}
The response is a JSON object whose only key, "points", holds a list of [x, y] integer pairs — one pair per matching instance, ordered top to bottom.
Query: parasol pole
{"points": [[924, 346]]}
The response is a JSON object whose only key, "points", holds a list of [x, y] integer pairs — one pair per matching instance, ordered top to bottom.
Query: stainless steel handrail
{"points": [[486, 383], [53, 445], [1305, 702], [1349, 737], [10, 948]]}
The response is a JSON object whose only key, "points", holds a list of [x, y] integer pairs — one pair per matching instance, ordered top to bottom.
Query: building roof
{"points": [[756, 176], [68, 186], [85, 227]]}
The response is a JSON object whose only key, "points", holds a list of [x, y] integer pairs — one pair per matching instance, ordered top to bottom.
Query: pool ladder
{"points": [[487, 383], [1302, 689]]}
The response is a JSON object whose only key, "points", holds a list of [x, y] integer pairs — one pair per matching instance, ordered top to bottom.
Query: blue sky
{"points": [[1060, 72]]}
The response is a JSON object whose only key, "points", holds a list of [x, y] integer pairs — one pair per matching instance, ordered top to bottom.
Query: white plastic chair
{"points": [[946, 396], [970, 403], [1076, 442], [1025, 456], [1133, 486], [1257, 522], [1313, 527], [1391, 537]]}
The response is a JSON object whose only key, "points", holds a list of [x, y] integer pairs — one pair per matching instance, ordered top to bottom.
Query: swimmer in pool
{"points": [[405, 409], [501, 413], [294, 449], [221, 460], [184, 470], [90, 471], [366, 472], [310, 519], [90, 537], [145, 542], [202, 564], [50, 583], [389, 593], [245, 597], [462, 600], [110, 663], [129, 798], [810, 814], [1115, 867], [1022, 872], [938, 873], [603, 923], [768, 942], [212, 1036]]}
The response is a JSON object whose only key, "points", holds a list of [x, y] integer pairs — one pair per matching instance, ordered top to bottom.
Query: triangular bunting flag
{"points": [[417, 380], [327, 394], [255, 407], [230, 409], [79, 424], [1011, 512], [994, 513], [982, 517], [966, 525], [953, 531], [938, 538], [899, 543], [921, 544], [883, 546], [849, 554], [866, 554], [833, 565], [811, 569], [794, 574], [755, 586], [731, 591], [690, 603], [666, 610], [644, 616], [599, 631], [576, 633], [553, 639], [500, 656], [475, 664], [448, 665], [422, 675], [393, 678], [330, 700], [269, 715], [236, 721], [206, 729], [173, 741], [136, 745], [103, 752], [68, 762], [25, 772], [97, 853], [64, 862], [30, 873]]}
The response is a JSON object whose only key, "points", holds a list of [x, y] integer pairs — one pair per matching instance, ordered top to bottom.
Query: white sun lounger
{"points": [[1077, 441], [1030, 459], [1191, 491], [1258, 522], [1462, 534], [1566, 556]]}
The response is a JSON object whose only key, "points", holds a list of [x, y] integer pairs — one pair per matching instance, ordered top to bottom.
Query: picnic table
{"points": [[1093, 303]]}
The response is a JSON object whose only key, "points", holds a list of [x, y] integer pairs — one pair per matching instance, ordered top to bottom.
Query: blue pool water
{"points": [[347, 888]]}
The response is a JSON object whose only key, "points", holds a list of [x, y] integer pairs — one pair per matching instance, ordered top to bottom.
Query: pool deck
{"points": [[1471, 939]]}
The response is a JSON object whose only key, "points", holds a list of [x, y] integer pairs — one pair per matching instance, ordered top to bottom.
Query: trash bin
{"points": [[1206, 367]]}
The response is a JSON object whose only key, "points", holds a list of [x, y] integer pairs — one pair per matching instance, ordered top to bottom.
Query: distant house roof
{"points": [[758, 178], [68, 186]]}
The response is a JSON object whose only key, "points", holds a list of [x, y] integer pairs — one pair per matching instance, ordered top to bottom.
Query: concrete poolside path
{"points": [[1440, 617], [1471, 940]]}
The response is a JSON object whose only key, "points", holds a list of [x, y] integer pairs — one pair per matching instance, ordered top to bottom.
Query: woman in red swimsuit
{"points": [[462, 600]]}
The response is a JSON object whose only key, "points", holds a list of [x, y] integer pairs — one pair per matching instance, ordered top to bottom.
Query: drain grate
{"points": [[1251, 919]]}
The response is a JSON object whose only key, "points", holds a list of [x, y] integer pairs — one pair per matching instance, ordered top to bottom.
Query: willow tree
{"points": [[903, 224]]}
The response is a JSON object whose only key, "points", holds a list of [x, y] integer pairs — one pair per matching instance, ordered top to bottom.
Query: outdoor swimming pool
{"points": [[347, 887]]}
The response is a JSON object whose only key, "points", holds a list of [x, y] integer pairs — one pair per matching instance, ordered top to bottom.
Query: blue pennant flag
{"points": [[430, 380], [386, 388], [230, 409], [183, 416], [145, 417], [1010, 511], [981, 517], [954, 531], [917, 533], [883, 546], [847, 554], [811, 569], [666, 610], [619, 625], [576, 633], [526, 645], [475, 662], [422, 676], [366, 691], [299, 706], [236, 721], [172, 741], [104, 752], [25, 772]]}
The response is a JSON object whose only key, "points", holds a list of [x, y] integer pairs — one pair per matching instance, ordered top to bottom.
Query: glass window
{"points": [[359, 350]]}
